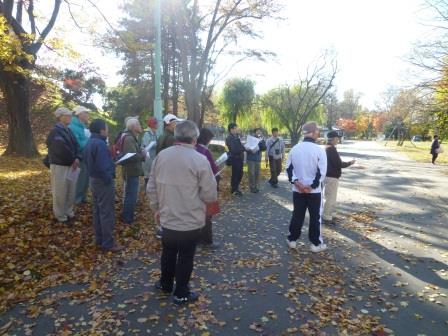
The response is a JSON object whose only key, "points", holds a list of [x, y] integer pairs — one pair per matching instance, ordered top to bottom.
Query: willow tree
{"points": [[18, 54]]}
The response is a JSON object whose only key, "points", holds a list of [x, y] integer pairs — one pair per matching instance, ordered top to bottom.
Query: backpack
{"points": [[117, 147]]}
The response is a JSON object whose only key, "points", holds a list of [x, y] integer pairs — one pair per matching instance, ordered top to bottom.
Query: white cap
{"points": [[80, 109], [62, 111], [169, 118]]}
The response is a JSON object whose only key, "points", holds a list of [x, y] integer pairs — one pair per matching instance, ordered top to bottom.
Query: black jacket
{"points": [[435, 144], [62, 147], [236, 148], [334, 162]]}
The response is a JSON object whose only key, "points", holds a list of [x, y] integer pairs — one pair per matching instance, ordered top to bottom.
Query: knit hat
{"points": [[152, 122]]}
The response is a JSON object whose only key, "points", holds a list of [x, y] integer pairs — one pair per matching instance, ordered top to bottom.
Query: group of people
{"points": [[275, 152], [181, 182]]}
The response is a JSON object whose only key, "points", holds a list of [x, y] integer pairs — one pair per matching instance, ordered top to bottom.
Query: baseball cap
{"points": [[80, 109], [62, 111], [169, 118], [310, 127], [332, 134]]}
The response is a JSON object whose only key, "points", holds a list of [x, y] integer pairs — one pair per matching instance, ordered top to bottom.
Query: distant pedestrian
{"points": [[79, 128], [149, 136], [205, 136], [167, 138], [435, 149], [236, 152], [275, 154], [64, 159], [254, 162], [306, 168], [132, 169], [101, 170], [334, 171], [180, 184]]}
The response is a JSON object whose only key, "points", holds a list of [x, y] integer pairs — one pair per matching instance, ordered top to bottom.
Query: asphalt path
{"points": [[385, 272]]}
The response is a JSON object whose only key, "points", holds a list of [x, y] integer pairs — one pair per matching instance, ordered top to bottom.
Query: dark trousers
{"points": [[434, 157], [275, 166], [237, 174], [130, 199], [302, 203], [103, 212], [207, 232], [178, 248]]}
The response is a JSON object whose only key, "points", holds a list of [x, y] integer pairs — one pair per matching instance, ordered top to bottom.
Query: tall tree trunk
{"points": [[16, 89], [193, 102], [295, 137]]}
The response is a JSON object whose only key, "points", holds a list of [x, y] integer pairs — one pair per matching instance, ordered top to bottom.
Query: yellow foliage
{"points": [[11, 49]]}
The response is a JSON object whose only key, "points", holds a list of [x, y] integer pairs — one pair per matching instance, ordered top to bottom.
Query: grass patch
{"points": [[418, 151]]}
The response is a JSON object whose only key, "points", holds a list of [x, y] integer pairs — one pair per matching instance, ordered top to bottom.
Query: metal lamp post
{"points": [[157, 65]]}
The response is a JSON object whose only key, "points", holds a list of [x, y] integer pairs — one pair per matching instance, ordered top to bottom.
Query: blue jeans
{"points": [[82, 184], [130, 199], [103, 212]]}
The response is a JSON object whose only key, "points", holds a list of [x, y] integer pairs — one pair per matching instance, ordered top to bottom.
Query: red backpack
{"points": [[117, 147]]}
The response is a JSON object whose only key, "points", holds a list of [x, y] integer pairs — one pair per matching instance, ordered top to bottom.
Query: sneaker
{"points": [[237, 193], [159, 234], [291, 244], [319, 248], [114, 249], [158, 286], [192, 297]]}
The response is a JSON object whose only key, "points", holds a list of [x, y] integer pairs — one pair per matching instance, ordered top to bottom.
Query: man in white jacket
{"points": [[306, 168]]}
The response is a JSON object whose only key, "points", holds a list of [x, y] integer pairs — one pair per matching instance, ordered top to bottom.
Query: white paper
{"points": [[252, 143], [150, 146], [125, 157], [223, 158], [219, 173], [72, 174]]}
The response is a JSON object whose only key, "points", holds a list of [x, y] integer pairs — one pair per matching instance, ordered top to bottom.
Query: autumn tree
{"points": [[204, 32], [18, 54], [431, 56], [292, 105], [379, 120], [363, 124], [347, 125]]}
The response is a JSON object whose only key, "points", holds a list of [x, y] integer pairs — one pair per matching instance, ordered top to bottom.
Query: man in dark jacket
{"points": [[434, 149], [236, 150], [64, 158], [132, 168], [101, 170], [334, 171]]}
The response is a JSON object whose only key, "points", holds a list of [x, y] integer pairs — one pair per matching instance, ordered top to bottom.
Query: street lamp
{"points": [[157, 65]]}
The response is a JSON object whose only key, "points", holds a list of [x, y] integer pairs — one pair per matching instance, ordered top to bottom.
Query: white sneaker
{"points": [[291, 244], [320, 248]]}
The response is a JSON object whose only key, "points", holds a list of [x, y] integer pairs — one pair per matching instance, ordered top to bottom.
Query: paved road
{"points": [[386, 268]]}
